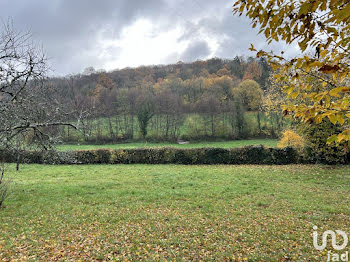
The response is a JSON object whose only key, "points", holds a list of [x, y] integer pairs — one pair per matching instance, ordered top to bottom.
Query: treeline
{"points": [[201, 100]]}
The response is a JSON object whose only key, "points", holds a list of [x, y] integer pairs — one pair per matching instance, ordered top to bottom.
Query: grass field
{"points": [[227, 144], [172, 212]]}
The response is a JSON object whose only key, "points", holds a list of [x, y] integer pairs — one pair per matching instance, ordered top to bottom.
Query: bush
{"points": [[291, 139], [316, 148], [259, 155], [100, 156], [192, 156], [32, 157], [59, 158]]}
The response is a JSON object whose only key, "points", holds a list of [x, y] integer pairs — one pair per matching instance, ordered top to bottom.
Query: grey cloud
{"points": [[71, 30], [234, 34], [196, 50]]}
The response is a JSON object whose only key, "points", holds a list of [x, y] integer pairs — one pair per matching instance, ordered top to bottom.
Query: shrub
{"points": [[291, 139], [316, 148], [100, 156], [103, 156], [190, 156], [215, 156], [7, 157], [32, 157], [86, 157], [118, 157], [59, 158]]}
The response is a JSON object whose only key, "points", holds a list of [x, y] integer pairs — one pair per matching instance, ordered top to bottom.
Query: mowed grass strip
{"points": [[226, 144], [171, 212]]}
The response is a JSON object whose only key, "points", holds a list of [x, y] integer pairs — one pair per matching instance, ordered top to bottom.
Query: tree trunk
{"points": [[259, 122], [116, 126], [132, 126], [167, 127], [111, 133], [273, 133], [68, 135], [18, 161]]}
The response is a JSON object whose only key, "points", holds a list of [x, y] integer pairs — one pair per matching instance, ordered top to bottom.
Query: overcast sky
{"points": [[112, 34]]}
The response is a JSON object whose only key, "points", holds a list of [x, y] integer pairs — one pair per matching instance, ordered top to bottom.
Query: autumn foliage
{"points": [[321, 77], [291, 139]]}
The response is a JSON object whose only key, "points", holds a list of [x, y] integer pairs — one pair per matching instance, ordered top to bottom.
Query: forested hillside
{"points": [[201, 100]]}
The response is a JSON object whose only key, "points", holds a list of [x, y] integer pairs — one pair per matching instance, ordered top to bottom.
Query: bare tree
{"points": [[26, 104], [127, 104], [169, 105], [209, 106], [79, 107], [28, 110]]}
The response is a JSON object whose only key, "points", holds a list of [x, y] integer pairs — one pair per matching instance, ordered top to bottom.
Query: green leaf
{"points": [[332, 139]]}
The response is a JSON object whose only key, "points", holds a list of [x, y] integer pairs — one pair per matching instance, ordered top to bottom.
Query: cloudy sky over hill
{"points": [[114, 34]]}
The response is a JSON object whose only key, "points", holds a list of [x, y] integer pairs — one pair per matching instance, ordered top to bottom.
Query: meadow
{"points": [[223, 144], [171, 212]]}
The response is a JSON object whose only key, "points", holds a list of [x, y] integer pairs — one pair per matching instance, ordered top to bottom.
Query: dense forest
{"points": [[194, 101]]}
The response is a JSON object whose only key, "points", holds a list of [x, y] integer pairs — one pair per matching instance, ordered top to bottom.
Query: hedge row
{"points": [[244, 155]]}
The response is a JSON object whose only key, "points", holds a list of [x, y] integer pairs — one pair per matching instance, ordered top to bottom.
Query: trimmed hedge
{"points": [[191, 156]]}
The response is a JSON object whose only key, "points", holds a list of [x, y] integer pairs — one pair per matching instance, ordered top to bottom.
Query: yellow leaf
{"points": [[304, 8], [251, 48], [323, 53], [289, 90], [335, 91], [294, 95], [333, 119], [340, 119]]}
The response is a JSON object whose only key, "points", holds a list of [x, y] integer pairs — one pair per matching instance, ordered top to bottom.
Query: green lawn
{"points": [[227, 144], [172, 212]]}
